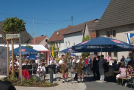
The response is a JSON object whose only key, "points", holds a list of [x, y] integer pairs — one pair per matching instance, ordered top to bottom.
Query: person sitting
{"points": [[122, 59], [25, 62], [115, 66], [15, 68], [41, 71], [122, 71], [129, 71], [25, 73], [110, 73]]}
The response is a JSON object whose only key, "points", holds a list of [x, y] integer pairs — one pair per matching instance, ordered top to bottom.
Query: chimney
{"points": [[42, 35]]}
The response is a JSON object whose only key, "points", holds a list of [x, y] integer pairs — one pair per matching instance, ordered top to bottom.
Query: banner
{"points": [[130, 38], [52, 52], [3, 60]]}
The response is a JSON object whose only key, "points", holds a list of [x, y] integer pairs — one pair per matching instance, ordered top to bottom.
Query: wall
{"points": [[86, 31], [120, 35], [72, 39], [43, 42]]}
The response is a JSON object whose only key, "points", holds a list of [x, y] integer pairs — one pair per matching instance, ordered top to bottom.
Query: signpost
{"points": [[12, 36], [15, 36]]}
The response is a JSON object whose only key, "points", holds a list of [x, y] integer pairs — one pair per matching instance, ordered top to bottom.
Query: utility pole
{"points": [[72, 20], [34, 30]]}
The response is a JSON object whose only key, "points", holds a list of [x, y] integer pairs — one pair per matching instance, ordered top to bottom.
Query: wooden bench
{"points": [[123, 79]]}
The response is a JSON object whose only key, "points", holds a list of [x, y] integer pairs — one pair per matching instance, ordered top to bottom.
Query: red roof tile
{"points": [[59, 35], [37, 40]]}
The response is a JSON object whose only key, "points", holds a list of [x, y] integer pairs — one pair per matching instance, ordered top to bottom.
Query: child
{"points": [[122, 71], [129, 71]]}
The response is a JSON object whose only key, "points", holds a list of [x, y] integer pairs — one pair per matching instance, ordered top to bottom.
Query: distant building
{"points": [[116, 22], [76, 33], [26, 38], [58, 38], [41, 40]]}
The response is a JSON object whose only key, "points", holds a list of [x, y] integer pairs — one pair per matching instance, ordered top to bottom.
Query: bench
{"points": [[122, 79]]}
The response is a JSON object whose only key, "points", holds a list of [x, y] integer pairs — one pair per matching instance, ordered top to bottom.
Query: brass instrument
{"points": [[81, 64], [64, 67]]}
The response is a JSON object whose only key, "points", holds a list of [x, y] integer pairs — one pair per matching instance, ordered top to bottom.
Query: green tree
{"points": [[13, 25], [85, 39], [29, 46]]}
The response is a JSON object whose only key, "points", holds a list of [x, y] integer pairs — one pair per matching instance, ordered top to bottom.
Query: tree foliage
{"points": [[13, 25], [85, 39], [29, 46]]}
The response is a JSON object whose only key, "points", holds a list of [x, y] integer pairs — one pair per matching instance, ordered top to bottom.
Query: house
{"points": [[117, 20], [76, 33], [25, 37], [58, 38], [41, 40]]}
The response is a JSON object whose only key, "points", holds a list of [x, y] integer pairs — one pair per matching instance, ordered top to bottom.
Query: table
{"points": [[116, 71], [131, 74]]}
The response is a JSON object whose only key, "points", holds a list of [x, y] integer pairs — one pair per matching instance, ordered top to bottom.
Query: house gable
{"points": [[118, 13]]}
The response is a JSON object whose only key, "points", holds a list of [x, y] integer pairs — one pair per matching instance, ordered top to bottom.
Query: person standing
{"points": [[108, 58], [37, 61], [53, 62], [86, 65], [89, 65], [74, 67], [101, 67], [64, 68], [80, 69]]}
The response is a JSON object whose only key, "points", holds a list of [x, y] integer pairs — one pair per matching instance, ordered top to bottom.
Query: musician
{"points": [[37, 61], [53, 62], [74, 68], [80, 69], [41, 70], [63, 70]]}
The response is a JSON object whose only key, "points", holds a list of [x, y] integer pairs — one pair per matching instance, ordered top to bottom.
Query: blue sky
{"points": [[52, 15]]}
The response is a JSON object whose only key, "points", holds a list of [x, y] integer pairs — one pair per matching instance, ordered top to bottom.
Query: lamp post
{"points": [[34, 30]]}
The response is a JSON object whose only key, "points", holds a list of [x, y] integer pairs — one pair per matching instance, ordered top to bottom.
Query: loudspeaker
{"points": [[6, 86]]}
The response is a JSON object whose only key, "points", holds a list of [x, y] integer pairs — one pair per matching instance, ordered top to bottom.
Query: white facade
{"points": [[120, 35], [73, 39]]}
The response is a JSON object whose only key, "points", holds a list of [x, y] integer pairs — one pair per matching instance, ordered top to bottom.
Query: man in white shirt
{"points": [[37, 61], [41, 70], [64, 72]]}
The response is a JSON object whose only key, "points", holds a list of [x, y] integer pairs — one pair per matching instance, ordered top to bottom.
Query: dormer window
{"points": [[57, 33]]}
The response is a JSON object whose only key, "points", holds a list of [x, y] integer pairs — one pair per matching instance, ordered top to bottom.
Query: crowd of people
{"points": [[98, 66]]}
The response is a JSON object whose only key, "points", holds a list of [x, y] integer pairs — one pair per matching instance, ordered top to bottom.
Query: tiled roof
{"points": [[118, 13], [77, 28], [59, 35], [25, 37], [37, 40]]}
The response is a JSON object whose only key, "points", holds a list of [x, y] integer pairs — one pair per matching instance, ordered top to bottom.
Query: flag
{"points": [[129, 36]]}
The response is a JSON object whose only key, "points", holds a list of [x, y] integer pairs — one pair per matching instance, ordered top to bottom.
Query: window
{"points": [[108, 33], [114, 33], [97, 34], [46, 40], [69, 43], [59, 44], [66, 44], [109, 53], [115, 54]]}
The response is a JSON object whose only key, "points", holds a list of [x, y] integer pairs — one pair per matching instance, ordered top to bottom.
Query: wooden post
{"points": [[12, 57], [7, 58]]}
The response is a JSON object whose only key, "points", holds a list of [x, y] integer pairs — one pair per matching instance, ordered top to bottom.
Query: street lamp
{"points": [[34, 30]]}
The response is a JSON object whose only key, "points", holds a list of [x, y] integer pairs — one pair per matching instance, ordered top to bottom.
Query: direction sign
{"points": [[8, 36]]}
